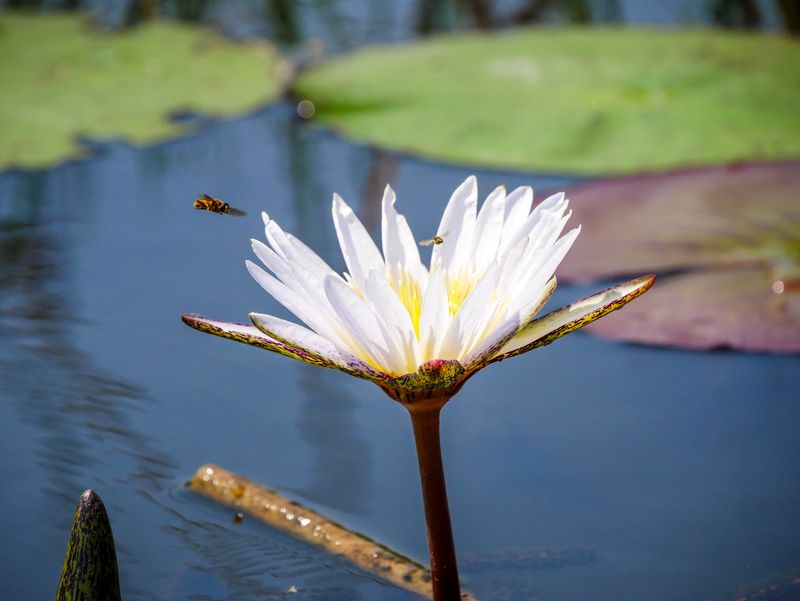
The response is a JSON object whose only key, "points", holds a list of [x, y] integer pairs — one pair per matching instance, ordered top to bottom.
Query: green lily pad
{"points": [[60, 79], [570, 100], [725, 241]]}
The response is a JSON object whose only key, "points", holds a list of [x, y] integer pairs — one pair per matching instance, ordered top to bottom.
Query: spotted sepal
{"points": [[552, 326], [247, 334]]}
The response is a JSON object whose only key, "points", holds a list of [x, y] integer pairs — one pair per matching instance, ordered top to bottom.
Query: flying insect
{"points": [[215, 205], [438, 239]]}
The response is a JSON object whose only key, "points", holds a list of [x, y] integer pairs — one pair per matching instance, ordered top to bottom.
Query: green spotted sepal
{"points": [[574, 316], [251, 335]]}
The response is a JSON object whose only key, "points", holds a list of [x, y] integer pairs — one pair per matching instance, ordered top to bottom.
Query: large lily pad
{"points": [[61, 80], [570, 100], [727, 239]]}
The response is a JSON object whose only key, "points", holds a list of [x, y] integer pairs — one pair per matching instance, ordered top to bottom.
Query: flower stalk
{"points": [[444, 569]]}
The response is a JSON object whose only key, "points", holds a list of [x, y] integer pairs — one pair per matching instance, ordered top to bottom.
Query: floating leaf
{"points": [[66, 81], [570, 100], [729, 237], [733, 308], [90, 566]]}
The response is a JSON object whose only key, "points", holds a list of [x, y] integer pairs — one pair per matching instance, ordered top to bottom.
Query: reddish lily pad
{"points": [[728, 240], [733, 308]]}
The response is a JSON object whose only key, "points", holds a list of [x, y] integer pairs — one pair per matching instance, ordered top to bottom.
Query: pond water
{"points": [[637, 473], [652, 474]]}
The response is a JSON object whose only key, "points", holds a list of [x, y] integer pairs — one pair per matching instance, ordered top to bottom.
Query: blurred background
{"points": [[349, 24], [654, 458]]}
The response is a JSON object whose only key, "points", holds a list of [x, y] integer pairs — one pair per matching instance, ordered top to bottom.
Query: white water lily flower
{"points": [[417, 331]]}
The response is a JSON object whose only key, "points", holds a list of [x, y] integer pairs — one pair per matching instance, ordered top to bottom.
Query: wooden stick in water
{"points": [[309, 526]]}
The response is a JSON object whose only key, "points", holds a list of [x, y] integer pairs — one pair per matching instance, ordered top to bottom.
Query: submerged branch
{"points": [[309, 526]]}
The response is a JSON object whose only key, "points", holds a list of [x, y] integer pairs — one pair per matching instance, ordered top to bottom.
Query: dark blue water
{"points": [[657, 474]]}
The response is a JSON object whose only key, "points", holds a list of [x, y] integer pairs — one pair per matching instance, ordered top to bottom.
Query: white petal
{"points": [[552, 201], [517, 209], [541, 223], [457, 226], [489, 228], [546, 232], [274, 235], [399, 245], [358, 248], [295, 253], [310, 258], [552, 258], [275, 263], [513, 268], [541, 273], [295, 275], [297, 303], [479, 303], [386, 304], [434, 314], [393, 319], [362, 334], [499, 337], [311, 343], [491, 343], [426, 346]]}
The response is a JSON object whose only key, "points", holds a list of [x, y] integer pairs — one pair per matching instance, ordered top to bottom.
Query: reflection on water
{"points": [[342, 25], [301, 163], [382, 172], [81, 413], [340, 469], [248, 561]]}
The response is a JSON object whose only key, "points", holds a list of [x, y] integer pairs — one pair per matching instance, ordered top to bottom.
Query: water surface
{"points": [[587, 469], [656, 474]]}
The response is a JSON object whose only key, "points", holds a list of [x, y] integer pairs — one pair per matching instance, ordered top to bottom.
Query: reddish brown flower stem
{"points": [[444, 571]]}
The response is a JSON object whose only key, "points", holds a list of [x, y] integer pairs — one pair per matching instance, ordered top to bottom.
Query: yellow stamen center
{"points": [[407, 288], [458, 289]]}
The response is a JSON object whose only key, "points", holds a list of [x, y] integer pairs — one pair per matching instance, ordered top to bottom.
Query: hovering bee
{"points": [[215, 205], [438, 239]]}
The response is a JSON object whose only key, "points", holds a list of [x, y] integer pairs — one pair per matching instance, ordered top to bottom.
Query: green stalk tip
{"points": [[90, 565]]}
